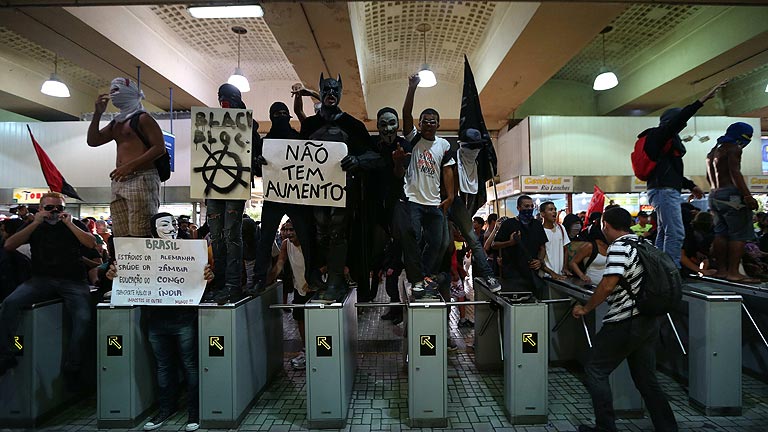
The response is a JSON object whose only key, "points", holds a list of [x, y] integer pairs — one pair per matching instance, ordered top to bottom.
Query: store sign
{"points": [[757, 183], [537, 184], [638, 185], [502, 190], [28, 196]]}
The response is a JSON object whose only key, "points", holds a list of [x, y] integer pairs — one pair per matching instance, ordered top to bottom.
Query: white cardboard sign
{"points": [[221, 153], [304, 172], [157, 272]]}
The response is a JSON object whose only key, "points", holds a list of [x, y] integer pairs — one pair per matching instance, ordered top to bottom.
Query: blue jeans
{"points": [[460, 217], [669, 217], [225, 219], [412, 224], [76, 297], [172, 339]]}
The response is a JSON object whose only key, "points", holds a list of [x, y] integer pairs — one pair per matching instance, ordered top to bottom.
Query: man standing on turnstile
{"points": [[57, 270], [626, 334]]}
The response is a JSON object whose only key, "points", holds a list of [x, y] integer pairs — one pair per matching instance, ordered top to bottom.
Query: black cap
{"points": [[278, 106]]}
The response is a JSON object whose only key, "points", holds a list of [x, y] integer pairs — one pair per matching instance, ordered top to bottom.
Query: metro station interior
{"points": [[509, 360]]}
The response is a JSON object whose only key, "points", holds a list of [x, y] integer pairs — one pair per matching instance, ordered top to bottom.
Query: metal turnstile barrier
{"points": [[427, 330], [241, 350], [714, 373], [35, 389], [125, 389], [627, 402]]}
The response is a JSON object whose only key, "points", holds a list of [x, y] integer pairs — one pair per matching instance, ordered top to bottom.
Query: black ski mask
{"points": [[330, 94], [230, 97], [280, 117]]}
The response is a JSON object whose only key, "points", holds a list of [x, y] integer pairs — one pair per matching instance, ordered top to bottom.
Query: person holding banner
{"points": [[272, 212], [225, 220], [334, 230], [172, 333]]}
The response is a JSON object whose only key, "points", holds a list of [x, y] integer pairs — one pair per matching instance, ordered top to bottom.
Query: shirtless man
{"points": [[135, 181], [730, 201]]}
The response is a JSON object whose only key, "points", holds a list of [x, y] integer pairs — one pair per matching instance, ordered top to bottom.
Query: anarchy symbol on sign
{"points": [[214, 163]]}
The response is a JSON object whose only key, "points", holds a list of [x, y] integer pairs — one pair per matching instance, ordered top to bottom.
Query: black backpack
{"points": [[163, 163], [662, 286]]}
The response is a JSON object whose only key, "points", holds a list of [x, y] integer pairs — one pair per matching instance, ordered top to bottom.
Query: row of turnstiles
{"points": [[704, 344]]}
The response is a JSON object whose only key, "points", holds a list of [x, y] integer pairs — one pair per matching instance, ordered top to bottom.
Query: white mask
{"points": [[126, 97], [388, 126], [166, 228]]}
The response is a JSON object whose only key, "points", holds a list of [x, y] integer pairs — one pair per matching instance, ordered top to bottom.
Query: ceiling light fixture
{"points": [[253, 10], [426, 76], [237, 78], [606, 79], [54, 87], [766, 88]]}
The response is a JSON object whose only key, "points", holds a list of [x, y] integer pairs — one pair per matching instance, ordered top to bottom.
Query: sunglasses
{"points": [[51, 207]]}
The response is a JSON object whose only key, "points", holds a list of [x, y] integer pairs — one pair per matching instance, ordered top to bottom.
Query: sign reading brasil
{"points": [[304, 172], [157, 272]]}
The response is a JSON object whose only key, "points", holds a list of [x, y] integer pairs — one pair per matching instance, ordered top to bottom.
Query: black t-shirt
{"points": [[357, 136], [388, 187], [56, 252], [514, 259]]}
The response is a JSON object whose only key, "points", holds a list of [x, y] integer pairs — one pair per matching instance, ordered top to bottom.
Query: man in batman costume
{"points": [[339, 229]]}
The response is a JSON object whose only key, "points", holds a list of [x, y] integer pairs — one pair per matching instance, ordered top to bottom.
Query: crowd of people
{"points": [[406, 214]]}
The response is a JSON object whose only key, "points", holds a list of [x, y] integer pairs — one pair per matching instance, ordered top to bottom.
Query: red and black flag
{"points": [[471, 117], [52, 175]]}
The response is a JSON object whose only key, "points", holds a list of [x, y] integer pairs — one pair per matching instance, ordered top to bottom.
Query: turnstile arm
{"points": [[372, 304], [564, 316], [754, 324], [674, 329], [586, 331]]}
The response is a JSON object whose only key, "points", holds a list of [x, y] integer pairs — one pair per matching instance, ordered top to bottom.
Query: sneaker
{"points": [[490, 282], [430, 288], [418, 290], [331, 295], [466, 322], [452, 345], [300, 361], [157, 421], [193, 424]]}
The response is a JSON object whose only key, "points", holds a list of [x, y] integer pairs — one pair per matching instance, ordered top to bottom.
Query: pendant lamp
{"points": [[237, 78], [427, 78], [606, 79], [54, 86]]}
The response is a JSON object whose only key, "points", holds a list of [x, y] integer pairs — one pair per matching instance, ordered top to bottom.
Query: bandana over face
{"points": [[126, 97]]}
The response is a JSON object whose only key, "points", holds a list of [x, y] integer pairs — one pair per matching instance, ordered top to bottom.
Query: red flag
{"points": [[52, 175], [596, 204]]}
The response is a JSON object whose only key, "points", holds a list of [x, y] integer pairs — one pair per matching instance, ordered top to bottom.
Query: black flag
{"points": [[471, 117], [52, 175]]}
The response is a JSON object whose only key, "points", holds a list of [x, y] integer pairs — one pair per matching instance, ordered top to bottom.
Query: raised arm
{"points": [[413, 82], [98, 137]]}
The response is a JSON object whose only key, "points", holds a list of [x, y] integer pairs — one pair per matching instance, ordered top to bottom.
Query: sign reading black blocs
{"points": [[530, 343], [428, 345], [324, 346]]}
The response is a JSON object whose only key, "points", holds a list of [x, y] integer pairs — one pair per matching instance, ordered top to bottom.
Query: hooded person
{"points": [[663, 145], [135, 180], [730, 201], [272, 212], [340, 227], [172, 333]]}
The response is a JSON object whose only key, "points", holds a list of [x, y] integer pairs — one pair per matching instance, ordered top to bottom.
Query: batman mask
{"points": [[330, 91]]}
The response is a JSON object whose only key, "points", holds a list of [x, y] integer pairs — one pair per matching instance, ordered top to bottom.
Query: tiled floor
{"points": [[379, 400]]}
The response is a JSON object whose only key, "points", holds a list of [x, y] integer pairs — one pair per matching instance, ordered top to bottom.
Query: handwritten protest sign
{"points": [[221, 153], [304, 172], [157, 272]]}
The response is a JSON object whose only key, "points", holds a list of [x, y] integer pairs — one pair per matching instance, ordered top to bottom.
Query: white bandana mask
{"points": [[126, 97]]}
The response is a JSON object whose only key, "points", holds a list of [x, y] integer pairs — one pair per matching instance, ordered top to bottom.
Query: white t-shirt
{"points": [[467, 161], [422, 180], [556, 240], [296, 258], [596, 270]]}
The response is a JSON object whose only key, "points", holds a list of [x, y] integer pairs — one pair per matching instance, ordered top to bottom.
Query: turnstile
{"points": [[427, 324], [241, 350], [331, 354], [35, 388], [125, 389], [627, 402]]}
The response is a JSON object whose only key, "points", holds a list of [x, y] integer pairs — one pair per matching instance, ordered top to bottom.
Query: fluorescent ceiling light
{"points": [[239, 11], [427, 78], [239, 80], [606, 80], [54, 87], [766, 88]]}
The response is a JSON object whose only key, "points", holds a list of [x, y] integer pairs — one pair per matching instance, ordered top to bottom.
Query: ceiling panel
{"points": [[634, 31], [395, 49], [261, 57]]}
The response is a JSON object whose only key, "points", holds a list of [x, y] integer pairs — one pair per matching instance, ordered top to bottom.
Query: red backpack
{"points": [[642, 164]]}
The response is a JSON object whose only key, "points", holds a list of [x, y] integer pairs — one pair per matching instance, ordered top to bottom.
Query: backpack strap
{"points": [[134, 124], [625, 283]]}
